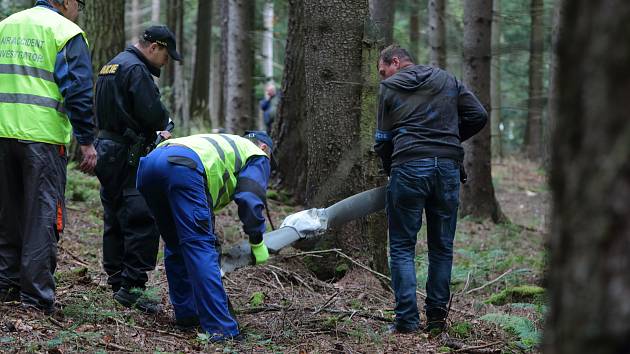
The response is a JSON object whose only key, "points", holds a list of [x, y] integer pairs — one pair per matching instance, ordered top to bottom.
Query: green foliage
{"points": [[341, 269], [523, 293], [257, 299], [94, 306], [519, 326], [461, 329], [71, 336]]}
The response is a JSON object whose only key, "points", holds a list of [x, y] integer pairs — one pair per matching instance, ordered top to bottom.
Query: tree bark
{"points": [[155, 11], [382, 13], [135, 21], [414, 29], [437, 33], [105, 40], [267, 44], [217, 67], [238, 79], [495, 82], [553, 83], [200, 96], [340, 130], [289, 132], [533, 132], [590, 181], [478, 199]]}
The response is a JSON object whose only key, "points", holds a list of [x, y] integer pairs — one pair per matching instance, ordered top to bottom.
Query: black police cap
{"points": [[162, 36]]}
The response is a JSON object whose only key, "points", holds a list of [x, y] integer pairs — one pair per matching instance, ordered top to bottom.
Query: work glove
{"points": [[260, 252]]}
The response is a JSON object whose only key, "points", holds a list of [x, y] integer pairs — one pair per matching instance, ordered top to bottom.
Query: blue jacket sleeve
{"points": [[73, 75], [250, 196]]}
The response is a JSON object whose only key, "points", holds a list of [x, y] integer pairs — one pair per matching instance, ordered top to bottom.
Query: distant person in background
{"points": [[45, 96], [269, 105], [424, 114]]}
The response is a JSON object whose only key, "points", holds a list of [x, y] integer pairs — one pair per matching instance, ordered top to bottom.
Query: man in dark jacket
{"points": [[129, 112], [424, 114]]}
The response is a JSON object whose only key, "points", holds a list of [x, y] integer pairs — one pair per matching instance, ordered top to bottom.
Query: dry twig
{"points": [[490, 282]]}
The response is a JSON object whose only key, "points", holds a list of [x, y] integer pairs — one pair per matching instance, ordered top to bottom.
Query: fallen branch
{"points": [[76, 258], [490, 282], [115, 346], [476, 349]]}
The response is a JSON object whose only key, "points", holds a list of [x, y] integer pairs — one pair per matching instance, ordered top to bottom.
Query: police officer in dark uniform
{"points": [[129, 112]]}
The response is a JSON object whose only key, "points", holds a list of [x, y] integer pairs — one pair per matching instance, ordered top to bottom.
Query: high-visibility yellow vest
{"points": [[31, 105], [223, 156]]}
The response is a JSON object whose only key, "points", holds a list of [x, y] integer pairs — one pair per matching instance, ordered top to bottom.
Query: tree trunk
{"points": [[155, 11], [382, 13], [414, 29], [132, 33], [437, 33], [104, 39], [267, 44], [217, 67], [238, 79], [495, 82], [553, 83], [200, 96], [340, 129], [289, 132], [533, 132], [590, 181], [478, 199]]}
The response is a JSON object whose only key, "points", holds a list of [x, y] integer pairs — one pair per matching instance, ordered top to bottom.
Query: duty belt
{"points": [[109, 135]]}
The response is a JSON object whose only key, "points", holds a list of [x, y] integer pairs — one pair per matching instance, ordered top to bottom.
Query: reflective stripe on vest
{"points": [[31, 104], [223, 156]]}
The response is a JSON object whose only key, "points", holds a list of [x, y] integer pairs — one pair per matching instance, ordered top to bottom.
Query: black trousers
{"points": [[32, 215], [130, 235]]}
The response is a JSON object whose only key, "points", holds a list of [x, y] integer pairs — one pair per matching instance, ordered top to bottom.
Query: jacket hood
{"points": [[417, 77]]}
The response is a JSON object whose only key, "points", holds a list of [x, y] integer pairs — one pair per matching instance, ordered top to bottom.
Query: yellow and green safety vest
{"points": [[31, 105], [223, 156]]}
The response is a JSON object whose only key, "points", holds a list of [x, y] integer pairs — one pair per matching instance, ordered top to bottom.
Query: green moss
{"points": [[523, 293], [257, 299], [461, 329]]}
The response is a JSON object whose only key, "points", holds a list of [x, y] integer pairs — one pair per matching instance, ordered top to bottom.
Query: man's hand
{"points": [[166, 134], [89, 159], [260, 252]]}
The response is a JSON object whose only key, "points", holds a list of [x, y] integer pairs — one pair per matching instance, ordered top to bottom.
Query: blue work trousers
{"points": [[172, 181], [432, 185]]}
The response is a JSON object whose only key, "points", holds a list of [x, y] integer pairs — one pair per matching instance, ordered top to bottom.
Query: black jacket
{"points": [[127, 97], [425, 112]]}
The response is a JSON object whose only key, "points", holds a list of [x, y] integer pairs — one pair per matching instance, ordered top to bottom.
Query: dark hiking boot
{"points": [[9, 295], [136, 298], [436, 321], [187, 324]]}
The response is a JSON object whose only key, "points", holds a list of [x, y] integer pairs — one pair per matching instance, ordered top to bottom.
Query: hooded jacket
{"points": [[425, 112]]}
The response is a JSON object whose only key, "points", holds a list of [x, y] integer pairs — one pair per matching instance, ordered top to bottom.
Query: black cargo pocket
{"points": [[182, 161], [202, 219]]}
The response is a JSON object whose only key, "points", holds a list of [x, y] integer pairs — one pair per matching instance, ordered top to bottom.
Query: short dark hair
{"points": [[392, 51]]}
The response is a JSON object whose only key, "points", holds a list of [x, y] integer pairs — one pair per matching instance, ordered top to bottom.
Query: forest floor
{"points": [[497, 305]]}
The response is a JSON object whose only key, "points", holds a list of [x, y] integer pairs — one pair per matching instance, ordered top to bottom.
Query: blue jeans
{"points": [[432, 185], [177, 197]]}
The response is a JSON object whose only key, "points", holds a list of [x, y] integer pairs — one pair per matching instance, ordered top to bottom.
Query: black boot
{"points": [[136, 298], [436, 321], [187, 324]]}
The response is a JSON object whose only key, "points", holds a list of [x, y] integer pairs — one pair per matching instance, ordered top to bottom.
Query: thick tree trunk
{"points": [[382, 13], [414, 29], [132, 33], [437, 33], [105, 40], [217, 67], [238, 79], [495, 82], [553, 83], [200, 96], [340, 131], [289, 132], [533, 132], [590, 180], [477, 198]]}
